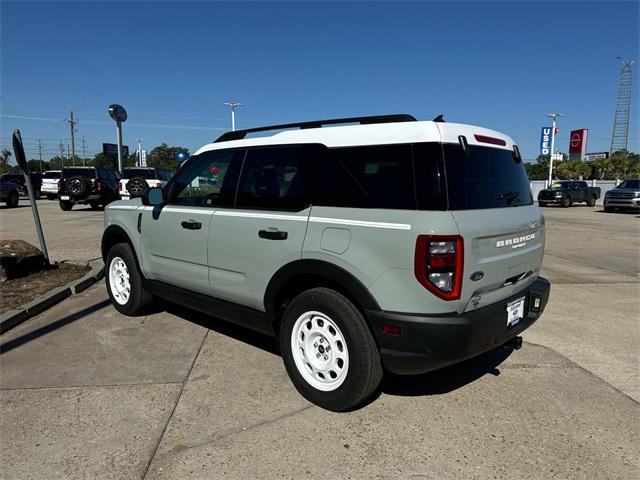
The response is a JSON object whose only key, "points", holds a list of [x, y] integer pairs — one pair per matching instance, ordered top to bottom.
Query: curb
{"points": [[14, 318]]}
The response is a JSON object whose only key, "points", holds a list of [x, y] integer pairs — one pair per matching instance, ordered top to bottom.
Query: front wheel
{"points": [[566, 202], [591, 202], [94, 205], [124, 282], [328, 350]]}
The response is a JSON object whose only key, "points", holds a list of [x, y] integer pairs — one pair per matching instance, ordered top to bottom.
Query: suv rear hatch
{"points": [[490, 199]]}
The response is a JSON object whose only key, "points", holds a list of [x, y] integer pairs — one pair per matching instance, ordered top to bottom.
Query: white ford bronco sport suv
{"points": [[389, 243]]}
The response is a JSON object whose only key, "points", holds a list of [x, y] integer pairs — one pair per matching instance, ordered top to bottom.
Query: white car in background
{"points": [[50, 180], [136, 180]]}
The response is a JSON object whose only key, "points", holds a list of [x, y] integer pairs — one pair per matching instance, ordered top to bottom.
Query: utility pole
{"points": [[233, 106], [553, 116], [72, 124], [620, 133], [40, 154], [61, 155], [84, 155], [73, 162]]}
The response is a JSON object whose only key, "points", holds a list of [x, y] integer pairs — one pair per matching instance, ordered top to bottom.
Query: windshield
{"points": [[78, 172], [147, 173], [51, 175], [490, 178], [635, 183], [560, 185]]}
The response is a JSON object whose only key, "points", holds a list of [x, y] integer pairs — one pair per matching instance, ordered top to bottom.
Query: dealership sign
{"points": [[545, 141], [577, 144]]}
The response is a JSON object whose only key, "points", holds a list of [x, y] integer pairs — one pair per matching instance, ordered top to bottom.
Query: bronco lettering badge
{"points": [[516, 242]]}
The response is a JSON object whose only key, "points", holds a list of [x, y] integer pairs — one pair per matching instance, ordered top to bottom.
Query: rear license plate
{"points": [[64, 197], [124, 197], [515, 311]]}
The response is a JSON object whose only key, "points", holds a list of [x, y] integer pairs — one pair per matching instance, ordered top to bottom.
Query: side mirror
{"points": [[153, 196]]}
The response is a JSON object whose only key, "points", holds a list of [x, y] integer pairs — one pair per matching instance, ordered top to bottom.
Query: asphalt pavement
{"points": [[88, 393]]}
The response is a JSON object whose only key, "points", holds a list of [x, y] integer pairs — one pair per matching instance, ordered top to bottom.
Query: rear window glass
{"points": [[78, 172], [147, 173], [51, 175], [489, 179], [630, 184]]}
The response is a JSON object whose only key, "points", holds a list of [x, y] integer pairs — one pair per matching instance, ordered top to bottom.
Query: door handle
{"points": [[191, 225], [273, 234]]}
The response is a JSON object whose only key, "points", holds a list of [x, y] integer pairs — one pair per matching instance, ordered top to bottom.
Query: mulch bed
{"points": [[20, 291]]}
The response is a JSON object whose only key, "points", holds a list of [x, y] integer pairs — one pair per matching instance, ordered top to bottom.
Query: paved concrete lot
{"points": [[73, 235], [88, 393]]}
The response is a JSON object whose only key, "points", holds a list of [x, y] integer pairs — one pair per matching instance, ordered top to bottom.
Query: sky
{"points": [[501, 65]]}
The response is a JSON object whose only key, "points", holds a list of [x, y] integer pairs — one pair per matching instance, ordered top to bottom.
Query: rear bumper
{"points": [[431, 342]]}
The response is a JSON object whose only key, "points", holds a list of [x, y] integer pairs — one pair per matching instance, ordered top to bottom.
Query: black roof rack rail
{"points": [[240, 134]]}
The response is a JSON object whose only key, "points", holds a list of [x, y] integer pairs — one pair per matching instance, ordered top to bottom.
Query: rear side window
{"points": [[146, 173], [54, 175], [378, 176], [490, 178], [272, 179]]}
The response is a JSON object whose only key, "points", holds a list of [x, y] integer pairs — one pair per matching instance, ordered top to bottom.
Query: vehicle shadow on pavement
{"points": [[224, 327], [27, 337], [447, 379], [433, 383]]}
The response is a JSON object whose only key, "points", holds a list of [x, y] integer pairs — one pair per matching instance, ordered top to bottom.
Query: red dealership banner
{"points": [[577, 144]]}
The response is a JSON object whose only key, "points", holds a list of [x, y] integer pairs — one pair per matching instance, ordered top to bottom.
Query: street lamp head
{"points": [[232, 104], [117, 113]]}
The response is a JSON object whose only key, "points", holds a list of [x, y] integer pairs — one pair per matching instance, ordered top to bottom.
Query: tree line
{"points": [[161, 156], [617, 166]]}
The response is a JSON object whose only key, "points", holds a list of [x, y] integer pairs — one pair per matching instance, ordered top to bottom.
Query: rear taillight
{"points": [[59, 185], [98, 185], [119, 185], [438, 264]]}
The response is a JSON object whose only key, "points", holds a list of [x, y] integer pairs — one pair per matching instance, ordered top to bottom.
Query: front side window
{"points": [[272, 179], [207, 180]]}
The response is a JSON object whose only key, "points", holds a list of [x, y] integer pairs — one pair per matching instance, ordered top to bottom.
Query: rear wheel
{"points": [[37, 193], [12, 201], [592, 201], [566, 202], [66, 205], [94, 205], [608, 209], [124, 282], [328, 350]]}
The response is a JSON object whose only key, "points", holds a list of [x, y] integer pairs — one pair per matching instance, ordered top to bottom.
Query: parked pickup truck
{"points": [[568, 192], [624, 196]]}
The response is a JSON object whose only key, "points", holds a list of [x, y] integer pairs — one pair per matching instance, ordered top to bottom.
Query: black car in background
{"points": [[18, 179], [94, 186], [8, 192], [568, 192]]}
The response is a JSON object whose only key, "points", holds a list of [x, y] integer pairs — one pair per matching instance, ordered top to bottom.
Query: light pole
{"points": [[233, 106], [119, 115], [553, 116]]}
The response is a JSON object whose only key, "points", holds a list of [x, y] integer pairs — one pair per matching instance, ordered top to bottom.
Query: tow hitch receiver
{"points": [[515, 343]]}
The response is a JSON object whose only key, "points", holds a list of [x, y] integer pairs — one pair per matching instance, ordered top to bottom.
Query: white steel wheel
{"points": [[119, 280], [319, 351]]}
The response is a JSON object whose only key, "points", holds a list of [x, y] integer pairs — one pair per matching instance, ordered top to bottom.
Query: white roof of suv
{"points": [[373, 134]]}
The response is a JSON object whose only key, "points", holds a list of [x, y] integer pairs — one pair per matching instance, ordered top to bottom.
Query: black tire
{"points": [[78, 187], [136, 187], [37, 193], [51, 197], [12, 201], [566, 202], [591, 202], [542, 204], [66, 205], [94, 205], [608, 209], [139, 300], [364, 372]]}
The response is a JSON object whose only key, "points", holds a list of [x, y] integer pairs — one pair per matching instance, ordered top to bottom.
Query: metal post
{"points": [[233, 106], [553, 116], [72, 124], [119, 142]]}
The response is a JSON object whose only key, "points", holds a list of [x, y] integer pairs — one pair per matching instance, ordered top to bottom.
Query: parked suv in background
{"points": [[18, 179], [50, 180], [136, 180], [94, 186], [9, 192], [568, 192], [625, 196], [397, 243]]}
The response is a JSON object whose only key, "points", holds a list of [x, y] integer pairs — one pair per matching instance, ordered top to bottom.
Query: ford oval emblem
{"points": [[475, 276]]}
